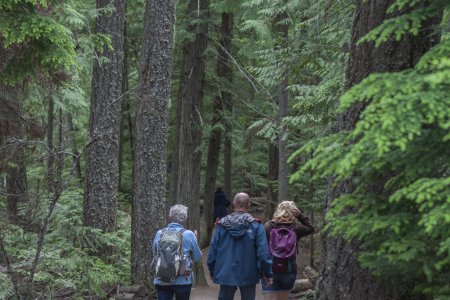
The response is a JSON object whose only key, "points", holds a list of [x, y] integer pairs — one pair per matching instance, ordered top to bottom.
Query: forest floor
{"points": [[211, 291]]}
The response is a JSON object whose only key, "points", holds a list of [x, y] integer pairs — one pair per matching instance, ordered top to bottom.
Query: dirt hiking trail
{"points": [[211, 291]]}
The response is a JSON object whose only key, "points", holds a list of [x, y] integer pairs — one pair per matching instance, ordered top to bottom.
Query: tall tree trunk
{"points": [[283, 31], [225, 52], [225, 73], [123, 102], [130, 128], [228, 148], [12, 151], [51, 157], [212, 164], [76, 166], [102, 166], [149, 169], [185, 173], [272, 179], [185, 180], [58, 185], [311, 238], [342, 276]]}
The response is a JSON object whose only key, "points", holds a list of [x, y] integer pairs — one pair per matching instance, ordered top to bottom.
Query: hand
{"points": [[296, 212], [268, 281]]}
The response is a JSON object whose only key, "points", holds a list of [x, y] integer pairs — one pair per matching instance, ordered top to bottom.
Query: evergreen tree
{"points": [[102, 156], [149, 169], [389, 184]]}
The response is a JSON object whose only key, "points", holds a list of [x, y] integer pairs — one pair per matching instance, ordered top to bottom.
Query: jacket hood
{"points": [[237, 223], [277, 225], [174, 226]]}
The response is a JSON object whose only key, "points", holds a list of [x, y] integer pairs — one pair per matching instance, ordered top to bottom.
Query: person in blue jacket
{"points": [[221, 203], [238, 255], [182, 285]]}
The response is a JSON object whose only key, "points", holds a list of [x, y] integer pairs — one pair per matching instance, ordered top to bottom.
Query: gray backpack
{"points": [[169, 262]]}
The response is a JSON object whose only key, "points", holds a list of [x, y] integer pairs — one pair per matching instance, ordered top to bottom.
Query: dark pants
{"points": [[181, 291], [248, 292]]}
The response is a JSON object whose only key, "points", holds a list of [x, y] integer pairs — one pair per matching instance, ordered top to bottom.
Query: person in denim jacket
{"points": [[238, 255], [181, 287]]}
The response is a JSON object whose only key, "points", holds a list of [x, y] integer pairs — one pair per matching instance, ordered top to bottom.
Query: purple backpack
{"points": [[283, 242]]}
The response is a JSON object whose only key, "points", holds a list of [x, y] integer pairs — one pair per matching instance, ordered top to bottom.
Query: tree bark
{"points": [[283, 31], [225, 52], [225, 74], [123, 103], [228, 148], [12, 151], [60, 154], [51, 157], [212, 164], [76, 167], [102, 167], [149, 168], [185, 173], [272, 178], [185, 179], [342, 277]]}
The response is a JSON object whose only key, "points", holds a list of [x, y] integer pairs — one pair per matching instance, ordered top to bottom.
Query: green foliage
{"points": [[407, 23], [32, 28], [315, 62], [397, 161], [66, 260], [6, 287]]}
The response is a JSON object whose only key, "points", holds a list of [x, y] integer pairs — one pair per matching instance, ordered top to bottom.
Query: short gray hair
{"points": [[242, 200], [178, 213]]}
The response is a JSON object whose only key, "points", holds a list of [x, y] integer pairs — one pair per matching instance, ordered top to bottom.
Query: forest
{"points": [[111, 111]]}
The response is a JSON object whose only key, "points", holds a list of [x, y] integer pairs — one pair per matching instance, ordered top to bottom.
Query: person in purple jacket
{"points": [[238, 255]]}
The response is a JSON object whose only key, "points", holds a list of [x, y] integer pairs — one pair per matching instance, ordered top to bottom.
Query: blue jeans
{"points": [[181, 291], [248, 292]]}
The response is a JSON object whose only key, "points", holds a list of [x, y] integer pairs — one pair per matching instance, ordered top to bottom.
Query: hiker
{"points": [[221, 203], [283, 233], [174, 249], [238, 255]]}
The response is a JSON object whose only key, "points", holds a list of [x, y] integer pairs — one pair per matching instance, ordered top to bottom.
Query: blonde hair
{"points": [[284, 214]]}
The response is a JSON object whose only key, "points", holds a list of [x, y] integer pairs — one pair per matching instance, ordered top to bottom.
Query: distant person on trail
{"points": [[221, 203], [283, 233], [174, 249], [238, 254]]}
